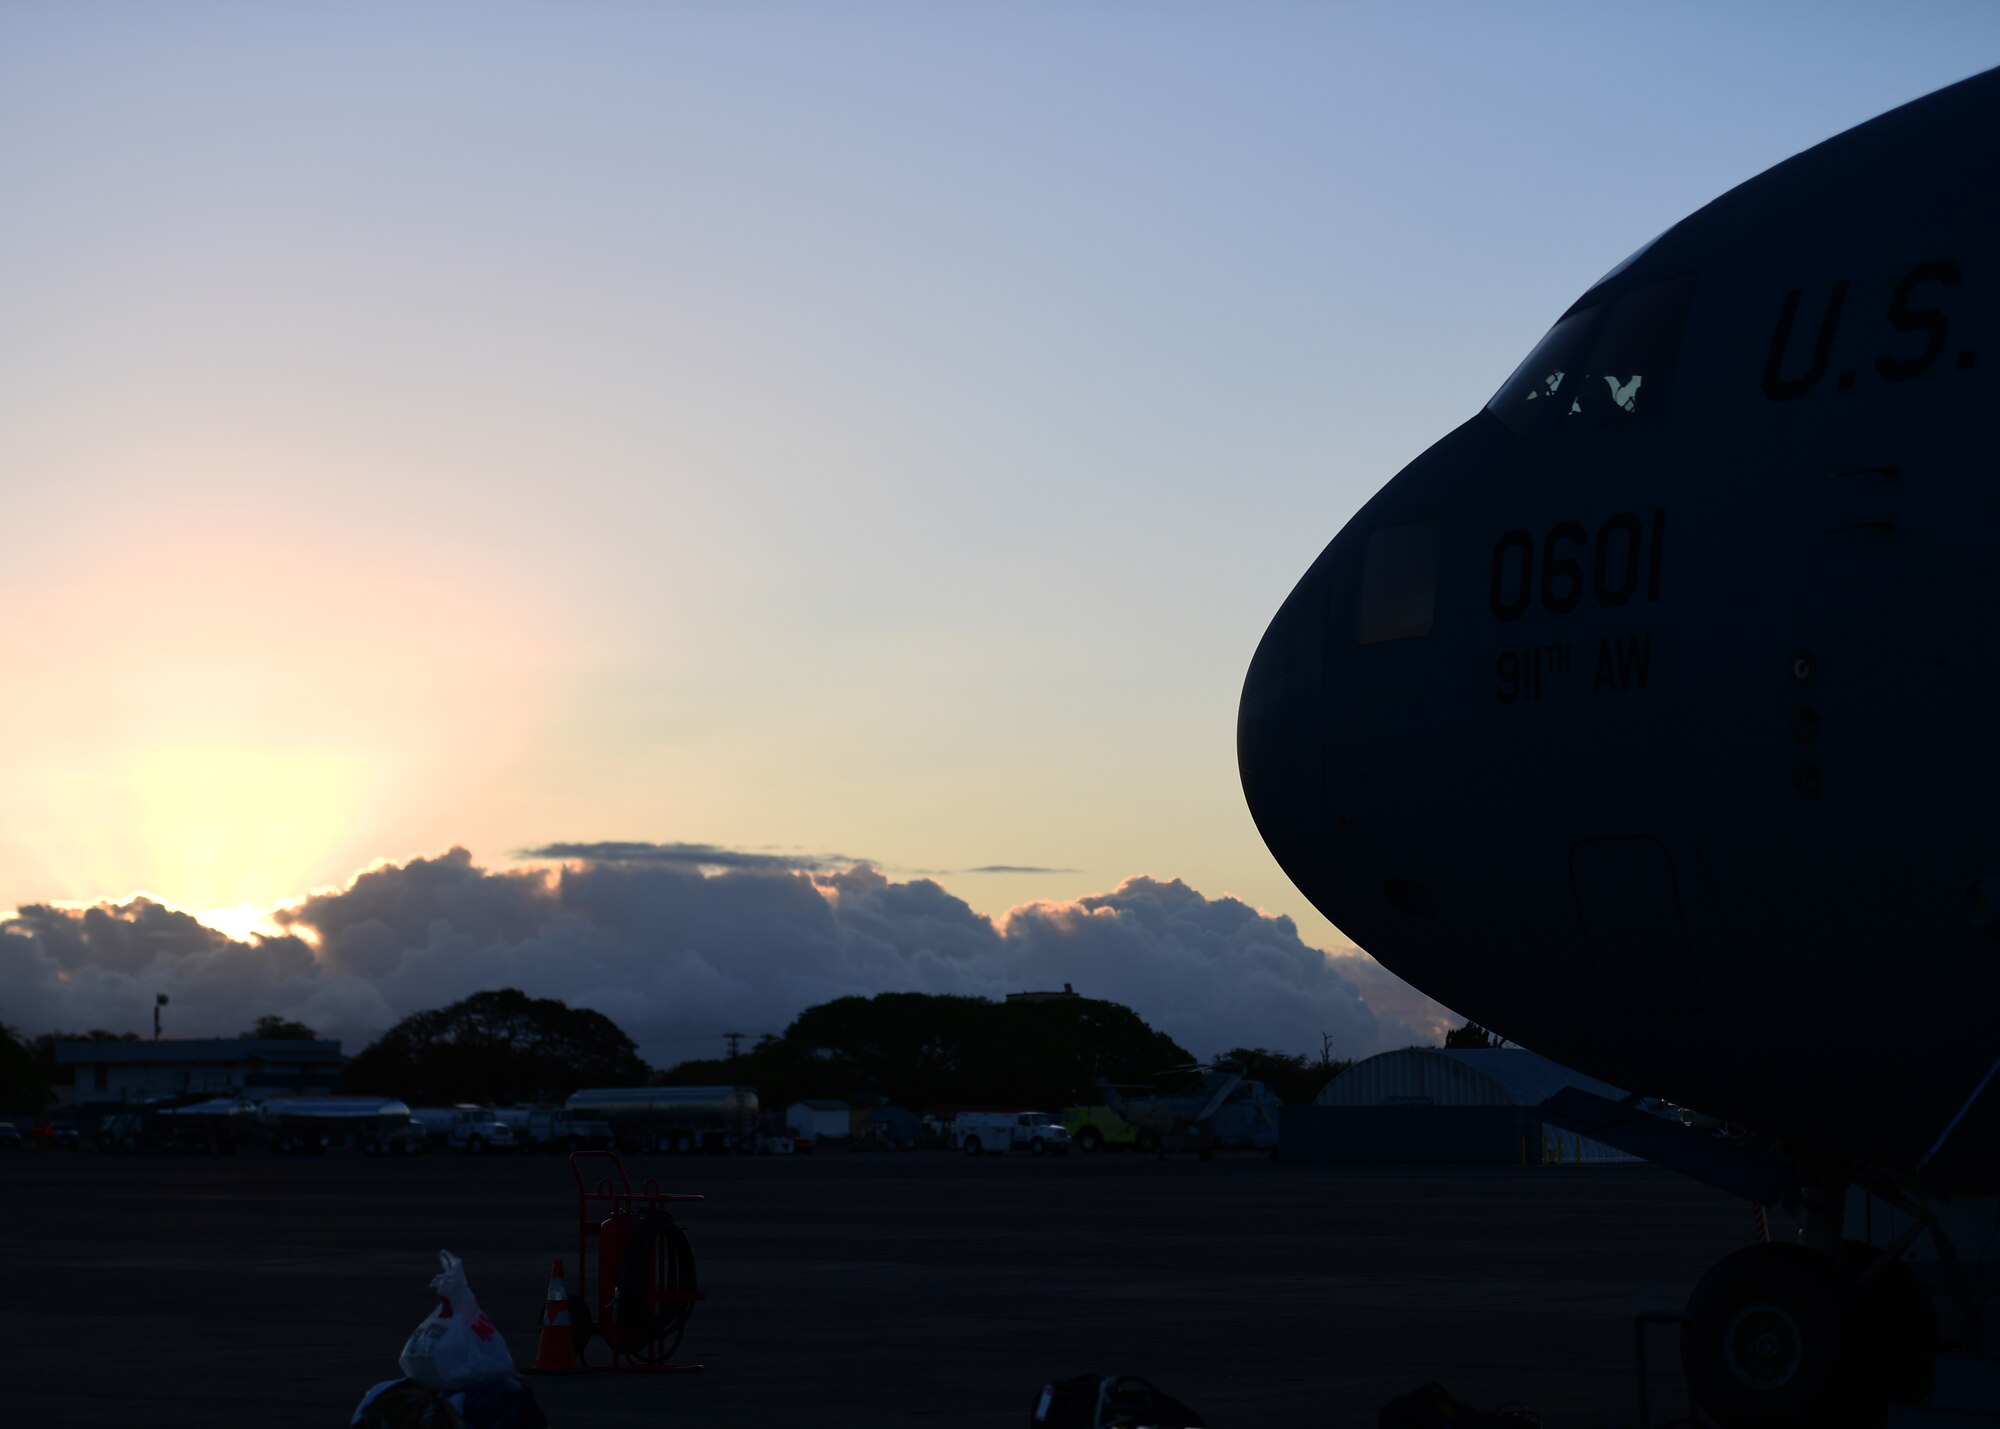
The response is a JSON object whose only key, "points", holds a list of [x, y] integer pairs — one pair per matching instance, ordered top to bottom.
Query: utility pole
{"points": [[159, 1001], [735, 1040]]}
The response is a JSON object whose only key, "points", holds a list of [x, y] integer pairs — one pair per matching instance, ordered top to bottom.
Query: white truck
{"points": [[465, 1127], [979, 1132]]}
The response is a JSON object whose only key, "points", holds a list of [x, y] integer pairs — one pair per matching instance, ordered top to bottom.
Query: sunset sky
{"points": [[835, 432]]}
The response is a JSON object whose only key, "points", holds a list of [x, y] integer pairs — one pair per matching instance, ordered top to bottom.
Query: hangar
{"points": [[115, 1070], [1444, 1104]]}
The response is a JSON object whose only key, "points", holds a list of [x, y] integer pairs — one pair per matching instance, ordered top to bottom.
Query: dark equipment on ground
{"points": [[646, 1285], [1091, 1401], [404, 1404], [1432, 1407]]}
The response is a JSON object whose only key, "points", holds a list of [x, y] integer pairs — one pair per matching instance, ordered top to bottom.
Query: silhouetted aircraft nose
{"points": [[1283, 726], [1338, 734]]}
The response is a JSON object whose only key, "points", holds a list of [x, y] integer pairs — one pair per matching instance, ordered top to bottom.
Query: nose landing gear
{"points": [[1786, 1337], [1763, 1344]]}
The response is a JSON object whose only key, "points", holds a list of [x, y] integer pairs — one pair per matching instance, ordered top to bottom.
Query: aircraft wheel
{"points": [[1089, 1138], [1767, 1345]]}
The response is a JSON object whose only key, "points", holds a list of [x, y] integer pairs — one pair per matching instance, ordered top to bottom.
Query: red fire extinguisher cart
{"points": [[645, 1267]]}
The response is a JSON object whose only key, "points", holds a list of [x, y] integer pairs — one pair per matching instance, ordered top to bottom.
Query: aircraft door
{"points": [[1630, 909]]}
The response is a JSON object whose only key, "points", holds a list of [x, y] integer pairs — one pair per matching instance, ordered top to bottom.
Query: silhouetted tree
{"points": [[271, 1027], [1472, 1035], [497, 1048], [1057, 1050], [927, 1051], [705, 1072], [23, 1086]]}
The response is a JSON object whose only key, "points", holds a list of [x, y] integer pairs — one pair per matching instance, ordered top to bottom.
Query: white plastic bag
{"points": [[456, 1345]]}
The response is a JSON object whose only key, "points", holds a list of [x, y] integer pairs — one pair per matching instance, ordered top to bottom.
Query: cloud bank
{"points": [[685, 855], [672, 953]]}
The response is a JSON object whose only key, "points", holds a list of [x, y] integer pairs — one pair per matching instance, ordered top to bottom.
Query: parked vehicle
{"points": [[673, 1119], [193, 1122], [375, 1126], [466, 1127], [551, 1128], [977, 1133], [10, 1137], [774, 1138]]}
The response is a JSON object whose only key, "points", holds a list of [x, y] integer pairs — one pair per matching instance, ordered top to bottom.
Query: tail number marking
{"points": [[1618, 563]]}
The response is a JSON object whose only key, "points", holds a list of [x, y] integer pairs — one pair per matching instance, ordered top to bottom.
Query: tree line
{"points": [[918, 1050]]}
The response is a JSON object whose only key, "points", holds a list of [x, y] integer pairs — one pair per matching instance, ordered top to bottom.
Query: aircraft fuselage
{"points": [[1649, 717]]}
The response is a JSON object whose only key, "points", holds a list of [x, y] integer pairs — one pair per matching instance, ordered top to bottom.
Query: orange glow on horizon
{"points": [[231, 712]]}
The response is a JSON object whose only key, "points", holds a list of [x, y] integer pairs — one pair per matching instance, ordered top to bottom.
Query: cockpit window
{"points": [[1631, 369], [1591, 374], [1527, 401]]}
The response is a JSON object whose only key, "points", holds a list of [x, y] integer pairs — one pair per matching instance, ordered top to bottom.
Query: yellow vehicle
{"points": [[1092, 1128]]}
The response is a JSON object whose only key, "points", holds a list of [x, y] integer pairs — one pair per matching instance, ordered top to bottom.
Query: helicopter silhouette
{"points": [[1222, 1109]]}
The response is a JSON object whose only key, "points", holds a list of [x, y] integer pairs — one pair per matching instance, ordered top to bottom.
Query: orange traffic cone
{"points": [[556, 1352]]}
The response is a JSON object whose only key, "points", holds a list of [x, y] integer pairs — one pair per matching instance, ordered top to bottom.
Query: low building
{"points": [[255, 1067], [1443, 1105], [821, 1120]]}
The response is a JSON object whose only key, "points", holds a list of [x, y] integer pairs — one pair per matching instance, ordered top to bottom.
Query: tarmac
{"points": [[860, 1289]]}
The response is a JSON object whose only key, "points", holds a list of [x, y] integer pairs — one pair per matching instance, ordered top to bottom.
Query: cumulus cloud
{"points": [[670, 952]]}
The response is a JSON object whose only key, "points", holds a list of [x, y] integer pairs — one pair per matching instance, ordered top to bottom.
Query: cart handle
{"points": [[576, 1170], [607, 1192]]}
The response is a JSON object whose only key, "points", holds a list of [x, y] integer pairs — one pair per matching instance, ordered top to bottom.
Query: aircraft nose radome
{"points": [[1281, 728]]}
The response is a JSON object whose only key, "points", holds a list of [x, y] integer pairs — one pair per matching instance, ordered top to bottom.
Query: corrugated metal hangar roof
{"points": [[1457, 1076]]}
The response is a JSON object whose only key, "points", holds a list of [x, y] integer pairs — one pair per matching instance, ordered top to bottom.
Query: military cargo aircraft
{"points": [[1652, 718]]}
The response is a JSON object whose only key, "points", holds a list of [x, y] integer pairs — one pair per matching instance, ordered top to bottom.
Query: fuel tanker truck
{"points": [[676, 1120], [312, 1126]]}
